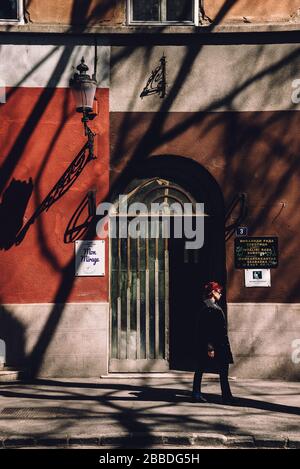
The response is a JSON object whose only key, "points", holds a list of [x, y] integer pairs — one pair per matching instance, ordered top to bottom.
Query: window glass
{"points": [[8, 9], [145, 10], [180, 10]]}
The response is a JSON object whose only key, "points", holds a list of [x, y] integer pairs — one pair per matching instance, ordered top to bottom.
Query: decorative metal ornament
{"points": [[157, 83]]}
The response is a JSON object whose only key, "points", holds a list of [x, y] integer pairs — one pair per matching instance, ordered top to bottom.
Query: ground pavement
{"points": [[140, 412]]}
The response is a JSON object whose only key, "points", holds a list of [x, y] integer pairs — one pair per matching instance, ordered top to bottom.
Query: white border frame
{"points": [[20, 19], [195, 21]]}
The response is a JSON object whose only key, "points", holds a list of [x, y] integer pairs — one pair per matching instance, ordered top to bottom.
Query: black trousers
{"points": [[225, 388]]}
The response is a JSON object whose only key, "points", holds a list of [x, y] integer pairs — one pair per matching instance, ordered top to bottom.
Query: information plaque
{"points": [[256, 252]]}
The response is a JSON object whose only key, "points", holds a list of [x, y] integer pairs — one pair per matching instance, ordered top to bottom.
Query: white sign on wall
{"points": [[89, 258], [257, 277]]}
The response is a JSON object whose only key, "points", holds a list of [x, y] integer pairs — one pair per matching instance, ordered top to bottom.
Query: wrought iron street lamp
{"points": [[84, 89]]}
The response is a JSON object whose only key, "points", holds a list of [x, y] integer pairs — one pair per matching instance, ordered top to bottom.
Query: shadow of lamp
{"points": [[84, 88]]}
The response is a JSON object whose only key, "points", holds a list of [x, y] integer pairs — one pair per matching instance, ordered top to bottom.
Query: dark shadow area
{"points": [[9, 11], [35, 116], [238, 140], [61, 187], [12, 210], [236, 214], [81, 219], [186, 272], [13, 334], [35, 358], [100, 384], [144, 393], [255, 404]]}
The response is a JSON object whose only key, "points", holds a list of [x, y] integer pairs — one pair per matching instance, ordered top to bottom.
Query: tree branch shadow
{"points": [[155, 137]]}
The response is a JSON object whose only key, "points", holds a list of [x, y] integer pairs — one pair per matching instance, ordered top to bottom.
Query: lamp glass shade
{"points": [[84, 93]]}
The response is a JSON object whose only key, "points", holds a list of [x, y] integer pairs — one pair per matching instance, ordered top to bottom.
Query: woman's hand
{"points": [[211, 353]]}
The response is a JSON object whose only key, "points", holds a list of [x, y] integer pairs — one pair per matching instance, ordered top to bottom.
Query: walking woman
{"points": [[212, 344]]}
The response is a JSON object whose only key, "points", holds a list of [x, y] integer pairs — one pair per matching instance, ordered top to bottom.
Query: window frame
{"points": [[19, 19], [194, 22]]}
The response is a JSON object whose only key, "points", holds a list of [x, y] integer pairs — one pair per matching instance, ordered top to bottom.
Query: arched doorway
{"points": [[154, 280]]}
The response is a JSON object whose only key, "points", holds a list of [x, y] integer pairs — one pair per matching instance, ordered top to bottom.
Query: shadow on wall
{"points": [[157, 133], [64, 183], [12, 209], [81, 219], [12, 333], [264, 341], [276, 367]]}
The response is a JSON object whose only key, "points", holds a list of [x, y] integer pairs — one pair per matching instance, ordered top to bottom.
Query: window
{"points": [[10, 10], [162, 11]]}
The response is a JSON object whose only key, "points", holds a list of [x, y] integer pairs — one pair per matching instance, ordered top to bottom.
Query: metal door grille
{"points": [[139, 286], [140, 301]]}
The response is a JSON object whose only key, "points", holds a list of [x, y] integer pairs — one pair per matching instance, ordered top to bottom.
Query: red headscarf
{"points": [[210, 287]]}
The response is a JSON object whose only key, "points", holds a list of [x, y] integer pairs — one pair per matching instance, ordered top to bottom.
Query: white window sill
{"points": [[11, 22], [161, 23]]}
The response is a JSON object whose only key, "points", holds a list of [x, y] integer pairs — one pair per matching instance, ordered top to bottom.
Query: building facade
{"points": [[197, 102]]}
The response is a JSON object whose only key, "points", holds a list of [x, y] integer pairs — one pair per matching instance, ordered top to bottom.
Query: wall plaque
{"points": [[256, 252], [89, 258], [257, 277]]}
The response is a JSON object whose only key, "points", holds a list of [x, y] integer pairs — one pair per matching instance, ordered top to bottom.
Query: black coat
{"points": [[212, 335]]}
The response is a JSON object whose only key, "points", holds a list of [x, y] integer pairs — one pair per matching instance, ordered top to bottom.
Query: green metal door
{"points": [[141, 272], [139, 301]]}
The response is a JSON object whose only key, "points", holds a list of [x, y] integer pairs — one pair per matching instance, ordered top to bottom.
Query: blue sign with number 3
{"points": [[242, 231]]}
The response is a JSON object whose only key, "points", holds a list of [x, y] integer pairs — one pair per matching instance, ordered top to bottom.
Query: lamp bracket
{"points": [[91, 139]]}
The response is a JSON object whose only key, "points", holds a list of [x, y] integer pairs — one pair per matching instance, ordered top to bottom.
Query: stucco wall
{"points": [[251, 10], [71, 12], [113, 12], [207, 78], [230, 109], [41, 134], [53, 323], [56, 340], [73, 340], [265, 340]]}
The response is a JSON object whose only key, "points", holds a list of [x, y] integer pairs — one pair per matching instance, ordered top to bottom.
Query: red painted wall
{"points": [[40, 135], [251, 152]]}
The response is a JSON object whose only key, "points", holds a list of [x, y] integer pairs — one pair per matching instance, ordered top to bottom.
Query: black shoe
{"points": [[197, 397], [228, 400]]}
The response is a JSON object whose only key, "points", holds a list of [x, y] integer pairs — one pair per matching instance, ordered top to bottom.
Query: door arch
{"points": [[155, 282]]}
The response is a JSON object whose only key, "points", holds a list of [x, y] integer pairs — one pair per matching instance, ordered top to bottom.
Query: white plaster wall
{"points": [[43, 65], [218, 78], [262, 338], [78, 346]]}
